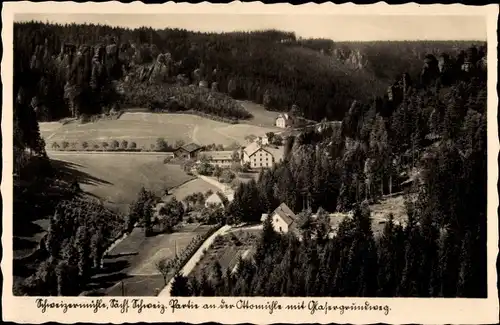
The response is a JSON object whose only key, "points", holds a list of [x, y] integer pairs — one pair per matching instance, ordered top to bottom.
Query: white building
{"points": [[284, 121], [263, 140], [257, 156], [223, 159], [283, 219]]}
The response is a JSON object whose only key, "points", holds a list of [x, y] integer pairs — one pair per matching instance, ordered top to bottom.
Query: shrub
{"points": [[124, 144], [65, 145], [114, 145], [133, 145], [161, 145], [227, 176]]}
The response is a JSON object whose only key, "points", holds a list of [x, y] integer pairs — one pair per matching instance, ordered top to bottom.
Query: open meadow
{"points": [[261, 116], [145, 128], [116, 178], [191, 187], [133, 260]]}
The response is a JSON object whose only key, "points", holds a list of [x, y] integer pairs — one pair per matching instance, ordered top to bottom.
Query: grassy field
{"points": [[261, 116], [145, 128], [117, 178], [194, 186], [227, 249], [133, 260]]}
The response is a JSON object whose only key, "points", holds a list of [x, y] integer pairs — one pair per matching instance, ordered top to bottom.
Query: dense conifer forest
{"points": [[70, 70], [409, 111], [431, 130]]}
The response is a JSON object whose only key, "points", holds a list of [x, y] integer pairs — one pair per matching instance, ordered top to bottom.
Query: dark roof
{"points": [[190, 147], [285, 213]]}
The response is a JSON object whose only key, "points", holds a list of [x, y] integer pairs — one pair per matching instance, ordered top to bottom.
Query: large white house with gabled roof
{"points": [[257, 156]]}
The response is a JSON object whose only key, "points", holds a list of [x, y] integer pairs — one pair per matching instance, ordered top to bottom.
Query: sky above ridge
{"points": [[335, 27]]}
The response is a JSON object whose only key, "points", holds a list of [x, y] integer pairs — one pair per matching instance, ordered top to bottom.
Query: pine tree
{"points": [[387, 260], [180, 286]]}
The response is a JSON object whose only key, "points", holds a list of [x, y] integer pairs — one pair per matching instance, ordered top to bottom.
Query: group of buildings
{"points": [[258, 154]]}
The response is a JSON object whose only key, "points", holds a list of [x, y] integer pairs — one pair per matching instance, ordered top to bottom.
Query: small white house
{"points": [[284, 121], [263, 140], [283, 218]]}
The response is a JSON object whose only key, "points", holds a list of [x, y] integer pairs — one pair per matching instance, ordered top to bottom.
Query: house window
{"points": [[260, 164], [281, 230]]}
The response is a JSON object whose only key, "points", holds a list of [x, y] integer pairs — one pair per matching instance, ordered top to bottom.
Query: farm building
{"points": [[284, 121], [263, 140], [189, 150], [259, 156], [218, 158], [219, 199], [283, 219]]}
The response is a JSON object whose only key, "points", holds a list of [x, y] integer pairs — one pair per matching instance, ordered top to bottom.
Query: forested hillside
{"points": [[74, 69], [426, 139], [80, 229]]}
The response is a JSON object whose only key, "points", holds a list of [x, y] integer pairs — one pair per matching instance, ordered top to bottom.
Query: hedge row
{"points": [[103, 146]]}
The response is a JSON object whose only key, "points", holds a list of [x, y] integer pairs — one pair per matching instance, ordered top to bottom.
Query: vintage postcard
{"points": [[249, 163]]}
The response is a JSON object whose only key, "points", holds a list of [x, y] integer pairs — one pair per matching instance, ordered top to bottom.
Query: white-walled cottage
{"points": [[284, 121], [283, 218]]}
